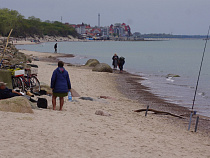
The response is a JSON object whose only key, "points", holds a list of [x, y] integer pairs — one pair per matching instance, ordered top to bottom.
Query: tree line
{"points": [[11, 19]]}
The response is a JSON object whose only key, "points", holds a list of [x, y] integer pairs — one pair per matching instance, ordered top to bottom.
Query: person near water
{"points": [[55, 47], [114, 61], [121, 62], [60, 84], [6, 92]]}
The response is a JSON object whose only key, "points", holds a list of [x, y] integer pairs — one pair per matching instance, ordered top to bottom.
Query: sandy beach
{"points": [[77, 132]]}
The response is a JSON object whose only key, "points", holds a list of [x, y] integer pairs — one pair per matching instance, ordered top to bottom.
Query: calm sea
{"points": [[153, 60]]}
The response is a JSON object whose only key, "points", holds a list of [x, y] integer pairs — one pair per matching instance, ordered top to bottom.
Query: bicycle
{"points": [[26, 81], [16, 82]]}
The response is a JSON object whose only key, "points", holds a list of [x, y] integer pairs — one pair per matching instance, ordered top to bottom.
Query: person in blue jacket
{"points": [[60, 84]]}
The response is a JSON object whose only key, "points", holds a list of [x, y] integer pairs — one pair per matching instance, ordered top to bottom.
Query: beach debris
{"points": [[92, 62], [102, 67], [74, 93], [107, 97], [86, 98], [17, 104], [159, 112], [102, 113]]}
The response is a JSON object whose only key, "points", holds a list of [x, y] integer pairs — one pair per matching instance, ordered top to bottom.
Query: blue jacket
{"points": [[60, 81]]}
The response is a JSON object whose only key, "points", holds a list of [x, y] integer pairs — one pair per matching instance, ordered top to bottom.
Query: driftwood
{"points": [[159, 112]]}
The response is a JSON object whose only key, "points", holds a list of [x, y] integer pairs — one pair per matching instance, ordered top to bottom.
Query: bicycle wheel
{"points": [[17, 82], [34, 84]]}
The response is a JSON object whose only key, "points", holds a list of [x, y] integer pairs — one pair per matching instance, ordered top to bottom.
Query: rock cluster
{"points": [[11, 56], [92, 62], [97, 66], [102, 67]]}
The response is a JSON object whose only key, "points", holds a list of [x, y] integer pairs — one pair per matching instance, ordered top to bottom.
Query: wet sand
{"points": [[130, 85]]}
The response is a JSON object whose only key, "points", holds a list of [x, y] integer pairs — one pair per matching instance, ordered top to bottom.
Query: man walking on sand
{"points": [[55, 47]]}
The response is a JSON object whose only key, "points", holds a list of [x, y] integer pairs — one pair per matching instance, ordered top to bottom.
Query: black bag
{"points": [[43, 92], [42, 103]]}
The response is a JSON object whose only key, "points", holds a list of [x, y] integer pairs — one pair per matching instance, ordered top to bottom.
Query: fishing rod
{"points": [[6, 45], [200, 69], [194, 112]]}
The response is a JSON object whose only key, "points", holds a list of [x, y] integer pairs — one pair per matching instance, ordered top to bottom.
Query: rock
{"points": [[92, 62], [69, 64], [102, 67], [172, 75], [18, 104], [102, 113]]}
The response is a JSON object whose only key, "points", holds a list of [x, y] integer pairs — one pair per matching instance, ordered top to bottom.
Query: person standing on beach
{"points": [[55, 47], [115, 60], [121, 62], [60, 84]]}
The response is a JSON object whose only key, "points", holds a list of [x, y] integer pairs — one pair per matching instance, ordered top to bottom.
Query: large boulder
{"points": [[92, 62], [102, 67], [18, 104]]}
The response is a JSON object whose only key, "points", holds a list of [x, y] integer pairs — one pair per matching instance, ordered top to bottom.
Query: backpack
{"points": [[42, 103]]}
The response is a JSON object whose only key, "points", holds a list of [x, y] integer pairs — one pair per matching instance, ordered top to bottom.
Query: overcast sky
{"points": [[187, 17]]}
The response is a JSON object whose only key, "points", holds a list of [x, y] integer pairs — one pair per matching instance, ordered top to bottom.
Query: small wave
{"points": [[170, 79], [203, 95]]}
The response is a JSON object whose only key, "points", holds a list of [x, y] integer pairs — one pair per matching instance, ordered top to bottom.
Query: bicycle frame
{"points": [[27, 80]]}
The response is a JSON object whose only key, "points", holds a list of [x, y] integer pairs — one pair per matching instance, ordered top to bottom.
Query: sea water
{"points": [[153, 60]]}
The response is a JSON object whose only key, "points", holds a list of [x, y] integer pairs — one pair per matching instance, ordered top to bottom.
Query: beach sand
{"points": [[77, 132]]}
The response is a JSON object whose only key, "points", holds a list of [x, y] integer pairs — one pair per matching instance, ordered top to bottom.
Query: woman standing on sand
{"points": [[115, 60], [60, 84]]}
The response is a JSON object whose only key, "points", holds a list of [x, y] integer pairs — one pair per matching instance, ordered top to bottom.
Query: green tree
{"points": [[32, 26]]}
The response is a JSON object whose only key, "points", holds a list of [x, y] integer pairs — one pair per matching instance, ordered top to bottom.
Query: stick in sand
{"points": [[6, 44]]}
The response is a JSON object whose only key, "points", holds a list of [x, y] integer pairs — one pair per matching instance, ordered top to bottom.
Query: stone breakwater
{"points": [[12, 56]]}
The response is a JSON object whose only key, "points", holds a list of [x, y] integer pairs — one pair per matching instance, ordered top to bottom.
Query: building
{"points": [[116, 30], [120, 30]]}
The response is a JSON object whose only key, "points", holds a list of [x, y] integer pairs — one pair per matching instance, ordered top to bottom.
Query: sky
{"points": [[177, 17]]}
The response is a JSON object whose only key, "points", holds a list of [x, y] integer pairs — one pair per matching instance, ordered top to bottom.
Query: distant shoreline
{"points": [[45, 39]]}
